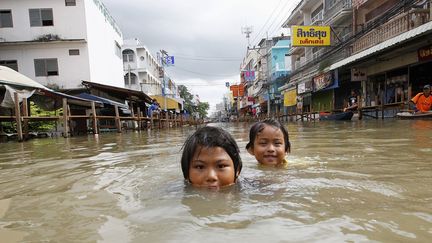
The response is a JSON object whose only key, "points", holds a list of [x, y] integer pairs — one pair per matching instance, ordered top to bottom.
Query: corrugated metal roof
{"points": [[386, 44]]}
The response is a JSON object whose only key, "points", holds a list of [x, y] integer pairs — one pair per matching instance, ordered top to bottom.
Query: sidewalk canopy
{"points": [[421, 30], [12, 77], [26, 88], [102, 90], [172, 103], [123, 107]]}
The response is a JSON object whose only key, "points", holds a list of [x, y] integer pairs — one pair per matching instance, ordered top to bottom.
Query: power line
{"points": [[268, 19], [278, 26], [205, 57], [208, 60], [204, 74]]}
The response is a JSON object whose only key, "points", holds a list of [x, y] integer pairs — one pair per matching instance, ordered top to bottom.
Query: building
{"points": [[60, 43], [379, 49], [391, 55], [141, 69], [314, 83]]}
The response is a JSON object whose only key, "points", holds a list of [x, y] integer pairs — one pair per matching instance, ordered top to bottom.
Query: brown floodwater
{"points": [[346, 181]]}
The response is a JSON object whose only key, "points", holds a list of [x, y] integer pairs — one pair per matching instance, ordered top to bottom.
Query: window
{"points": [[70, 2], [41, 17], [5, 18], [74, 52], [128, 55], [10, 64], [46, 67], [132, 79]]}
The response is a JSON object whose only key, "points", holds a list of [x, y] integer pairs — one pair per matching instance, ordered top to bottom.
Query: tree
{"points": [[188, 97], [201, 107]]}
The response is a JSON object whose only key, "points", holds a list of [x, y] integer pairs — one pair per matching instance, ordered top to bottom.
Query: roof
{"points": [[423, 29], [9, 76], [12, 77], [121, 93], [102, 100]]}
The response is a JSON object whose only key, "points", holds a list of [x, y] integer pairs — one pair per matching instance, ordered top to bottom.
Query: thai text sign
{"points": [[310, 35], [425, 53], [358, 74], [249, 75], [322, 81], [237, 90], [290, 97]]}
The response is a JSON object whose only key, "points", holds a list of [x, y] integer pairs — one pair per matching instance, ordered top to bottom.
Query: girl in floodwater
{"points": [[269, 142], [211, 159]]}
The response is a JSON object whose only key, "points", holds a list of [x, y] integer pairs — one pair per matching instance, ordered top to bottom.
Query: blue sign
{"points": [[169, 60], [227, 84]]}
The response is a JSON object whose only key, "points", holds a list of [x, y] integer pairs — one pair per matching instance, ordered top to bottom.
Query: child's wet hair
{"points": [[259, 126], [209, 137]]}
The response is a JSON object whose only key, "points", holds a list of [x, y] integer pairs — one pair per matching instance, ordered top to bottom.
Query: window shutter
{"points": [[47, 17], [6, 18], [35, 18], [39, 67], [52, 67]]}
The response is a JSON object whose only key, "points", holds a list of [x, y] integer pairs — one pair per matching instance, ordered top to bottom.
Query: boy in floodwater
{"points": [[269, 142], [211, 159]]}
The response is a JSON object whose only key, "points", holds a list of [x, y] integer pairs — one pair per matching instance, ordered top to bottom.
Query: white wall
{"points": [[69, 22], [106, 67], [72, 69], [146, 70]]}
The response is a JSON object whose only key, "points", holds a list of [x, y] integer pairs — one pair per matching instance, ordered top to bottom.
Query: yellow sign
{"points": [[310, 35], [290, 97]]}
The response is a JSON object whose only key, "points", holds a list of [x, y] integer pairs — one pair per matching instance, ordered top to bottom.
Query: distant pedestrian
{"points": [[154, 108], [269, 142]]}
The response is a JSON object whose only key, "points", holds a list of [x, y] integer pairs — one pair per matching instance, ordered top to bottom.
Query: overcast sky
{"points": [[204, 36]]}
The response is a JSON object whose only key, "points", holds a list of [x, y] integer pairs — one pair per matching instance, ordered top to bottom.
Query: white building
{"points": [[59, 43], [141, 68]]}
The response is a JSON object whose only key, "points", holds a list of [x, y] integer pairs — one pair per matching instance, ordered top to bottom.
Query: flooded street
{"points": [[346, 181]]}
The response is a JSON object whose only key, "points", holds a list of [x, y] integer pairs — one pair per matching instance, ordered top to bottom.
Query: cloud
{"points": [[204, 36]]}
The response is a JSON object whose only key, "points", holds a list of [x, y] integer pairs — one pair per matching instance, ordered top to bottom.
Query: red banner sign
{"points": [[237, 90]]}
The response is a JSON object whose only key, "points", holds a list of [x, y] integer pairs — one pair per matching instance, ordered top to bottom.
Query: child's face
{"points": [[269, 146], [211, 168]]}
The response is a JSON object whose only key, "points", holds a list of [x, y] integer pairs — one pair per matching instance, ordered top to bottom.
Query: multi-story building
{"points": [[60, 43], [379, 49], [391, 53], [310, 65], [142, 70]]}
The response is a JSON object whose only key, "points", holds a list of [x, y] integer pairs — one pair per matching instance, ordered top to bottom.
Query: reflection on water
{"points": [[349, 181]]}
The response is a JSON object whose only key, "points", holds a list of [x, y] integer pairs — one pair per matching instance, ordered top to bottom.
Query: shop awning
{"points": [[423, 29], [20, 82], [103, 100], [172, 103]]}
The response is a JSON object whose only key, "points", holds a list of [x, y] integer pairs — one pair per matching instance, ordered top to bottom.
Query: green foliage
{"points": [[188, 97], [201, 108], [42, 125]]}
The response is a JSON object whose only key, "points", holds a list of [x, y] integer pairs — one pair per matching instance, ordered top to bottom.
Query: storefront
{"points": [[323, 91], [304, 96]]}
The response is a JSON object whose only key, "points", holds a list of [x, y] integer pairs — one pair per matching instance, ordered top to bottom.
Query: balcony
{"points": [[338, 11], [319, 17], [396, 26], [300, 63]]}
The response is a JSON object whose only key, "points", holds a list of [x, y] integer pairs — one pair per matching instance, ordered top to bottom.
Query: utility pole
{"points": [[247, 30], [164, 54]]}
